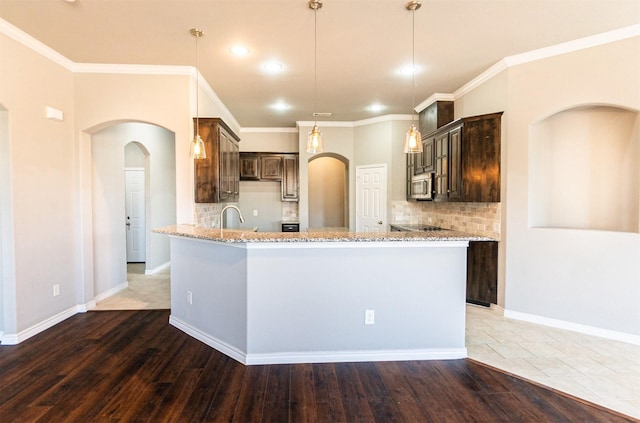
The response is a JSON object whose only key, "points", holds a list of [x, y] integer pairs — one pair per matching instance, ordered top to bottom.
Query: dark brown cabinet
{"points": [[435, 116], [467, 160], [257, 166], [249, 167], [271, 167], [290, 177], [217, 178], [482, 272]]}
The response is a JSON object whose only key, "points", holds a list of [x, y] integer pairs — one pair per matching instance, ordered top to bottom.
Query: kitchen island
{"points": [[267, 298]]}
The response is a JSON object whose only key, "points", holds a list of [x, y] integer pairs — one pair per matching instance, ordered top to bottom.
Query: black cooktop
{"points": [[414, 228]]}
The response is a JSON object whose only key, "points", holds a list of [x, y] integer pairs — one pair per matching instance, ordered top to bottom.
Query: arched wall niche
{"points": [[584, 169], [328, 191]]}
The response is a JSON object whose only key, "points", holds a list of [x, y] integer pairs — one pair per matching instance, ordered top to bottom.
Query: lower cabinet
{"points": [[482, 272]]}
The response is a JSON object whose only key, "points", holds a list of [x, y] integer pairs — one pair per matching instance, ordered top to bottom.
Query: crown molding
{"points": [[28, 41], [574, 45], [547, 52], [503, 64], [132, 69], [434, 97], [385, 118], [325, 123], [266, 130]]}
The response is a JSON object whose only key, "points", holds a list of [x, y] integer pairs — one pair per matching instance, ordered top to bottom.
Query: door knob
{"points": [[128, 224]]}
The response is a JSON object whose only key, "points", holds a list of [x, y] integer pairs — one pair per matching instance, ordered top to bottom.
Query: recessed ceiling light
{"points": [[239, 50], [273, 67], [408, 70], [280, 106], [376, 108]]}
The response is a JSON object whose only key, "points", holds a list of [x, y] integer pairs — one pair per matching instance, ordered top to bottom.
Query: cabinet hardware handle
{"points": [[379, 222]]}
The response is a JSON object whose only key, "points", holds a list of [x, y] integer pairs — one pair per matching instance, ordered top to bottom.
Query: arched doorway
{"points": [[110, 148], [328, 191]]}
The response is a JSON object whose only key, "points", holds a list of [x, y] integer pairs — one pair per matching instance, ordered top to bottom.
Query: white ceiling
{"points": [[361, 44]]}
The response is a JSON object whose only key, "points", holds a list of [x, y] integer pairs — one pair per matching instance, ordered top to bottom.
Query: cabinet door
{"points": [[428, 156], [418, 163], [410, 164], [441, 165], [455, 165], [224, 166], [229, 167], [249, 167], [271, 167], [480, 167], [206, 170], [234, 170], [290, 177], [482, 272]]}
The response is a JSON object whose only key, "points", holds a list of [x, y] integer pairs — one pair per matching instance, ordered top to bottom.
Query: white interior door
{"points": [[371, 198], [135, 215]]}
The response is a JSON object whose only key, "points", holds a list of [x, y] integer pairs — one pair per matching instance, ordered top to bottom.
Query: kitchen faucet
{"points": [[230, 206]]}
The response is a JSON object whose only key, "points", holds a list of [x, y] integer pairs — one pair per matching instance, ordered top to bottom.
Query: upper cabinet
{"points": [[433, 117], [467, 159], [249, 167], [271, 167], [282, 167], [290, 177], [217, 178]]}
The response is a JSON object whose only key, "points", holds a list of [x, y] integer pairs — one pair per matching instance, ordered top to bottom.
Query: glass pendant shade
{"points": [[413, 140], [314, 141], [197, 148]]}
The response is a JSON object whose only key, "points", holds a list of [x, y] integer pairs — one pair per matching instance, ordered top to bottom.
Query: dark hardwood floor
{"points": [[133, 366]]}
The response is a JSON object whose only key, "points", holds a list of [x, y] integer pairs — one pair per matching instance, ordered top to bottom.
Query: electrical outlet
{"points": [[255, 212], [56, 290], [189, 297], [369, 317]]}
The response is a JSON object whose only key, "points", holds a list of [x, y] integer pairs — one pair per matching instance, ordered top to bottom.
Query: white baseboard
{"points": [[157, 269], [106, 294], [83, 308], [575, 327], [16, 338], [214, 343], [318, 356]]}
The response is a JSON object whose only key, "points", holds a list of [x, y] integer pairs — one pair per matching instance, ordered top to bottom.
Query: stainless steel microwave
{"points": [[421, 187]]}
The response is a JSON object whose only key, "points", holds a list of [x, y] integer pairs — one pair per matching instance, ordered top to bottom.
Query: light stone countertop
{"points": [[248, 236]]}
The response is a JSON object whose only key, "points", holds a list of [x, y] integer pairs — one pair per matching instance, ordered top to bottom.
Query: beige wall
{"points": [[272, 141], [42, 211], [585, 278]]}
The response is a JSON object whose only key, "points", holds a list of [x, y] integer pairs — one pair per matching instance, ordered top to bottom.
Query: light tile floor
{"points": [[145, 292], [595, 369]]}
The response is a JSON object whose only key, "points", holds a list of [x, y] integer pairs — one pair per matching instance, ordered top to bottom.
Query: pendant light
{"points": [[314, 138], [413, 140], [197, 145]]}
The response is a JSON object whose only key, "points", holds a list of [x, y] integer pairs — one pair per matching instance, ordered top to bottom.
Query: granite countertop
{"points": [[244, 236]]}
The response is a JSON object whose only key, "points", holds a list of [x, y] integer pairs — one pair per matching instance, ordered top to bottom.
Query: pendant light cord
{"points": [[197, 34], [413, 61], [315, 66]]}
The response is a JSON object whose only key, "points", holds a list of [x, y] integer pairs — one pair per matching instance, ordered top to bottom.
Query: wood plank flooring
{"points": [[126, 366]]}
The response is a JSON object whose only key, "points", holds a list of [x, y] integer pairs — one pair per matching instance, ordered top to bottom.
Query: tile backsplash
{"points": [[207, 214], [476, 218]]}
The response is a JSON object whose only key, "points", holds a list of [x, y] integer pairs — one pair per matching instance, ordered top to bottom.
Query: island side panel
{"points": [[215, 274], [313, 299]]}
